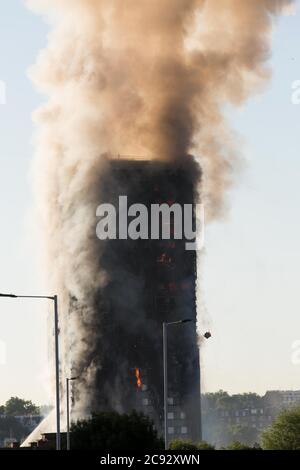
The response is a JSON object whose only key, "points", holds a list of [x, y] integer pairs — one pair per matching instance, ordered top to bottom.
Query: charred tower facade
{"points": [[148, 282]]}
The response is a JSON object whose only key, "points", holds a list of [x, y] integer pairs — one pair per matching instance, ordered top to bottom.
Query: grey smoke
{"points": [[140, 77]]}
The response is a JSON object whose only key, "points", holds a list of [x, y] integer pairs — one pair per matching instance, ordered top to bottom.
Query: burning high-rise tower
{"points": [[153, 78], [148, 282]]}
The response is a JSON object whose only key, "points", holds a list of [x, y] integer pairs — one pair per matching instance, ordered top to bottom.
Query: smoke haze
{"points": [[137, 77]]}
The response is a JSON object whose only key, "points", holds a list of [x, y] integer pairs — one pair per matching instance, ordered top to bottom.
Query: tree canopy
{"points": [[18, 407], [111, 431], [284, 434], [186, 445], [236, 445]]}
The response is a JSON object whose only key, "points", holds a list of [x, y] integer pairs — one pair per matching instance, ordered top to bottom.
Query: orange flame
{"points": [[138, 378]]}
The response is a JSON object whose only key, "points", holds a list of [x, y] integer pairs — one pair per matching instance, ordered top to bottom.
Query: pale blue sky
{"points": [[251, 269]]}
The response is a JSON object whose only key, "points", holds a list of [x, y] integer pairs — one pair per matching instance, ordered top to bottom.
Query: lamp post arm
{"points": [[56, 331]]}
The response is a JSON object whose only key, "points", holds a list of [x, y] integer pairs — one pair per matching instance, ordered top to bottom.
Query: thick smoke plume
{"points": [[137, 77]]}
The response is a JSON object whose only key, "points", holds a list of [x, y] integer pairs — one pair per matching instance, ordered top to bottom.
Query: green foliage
{"points": [[18, 407], [9, 425], [111, 431], [284, 434], [178, 444], [186, 445], [205, 446], [240, 446]]}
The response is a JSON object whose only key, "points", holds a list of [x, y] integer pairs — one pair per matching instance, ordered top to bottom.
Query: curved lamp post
{"points": [[56, 332]]}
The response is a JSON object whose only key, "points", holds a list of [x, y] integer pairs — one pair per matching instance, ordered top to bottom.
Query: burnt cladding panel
{"points": [[150, 281]]}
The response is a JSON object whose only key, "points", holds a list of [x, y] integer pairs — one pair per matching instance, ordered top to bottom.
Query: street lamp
{"points": [[56, 332], [165, 362], [68, 380]]}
